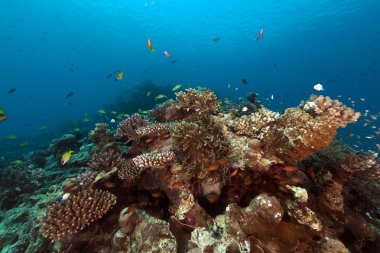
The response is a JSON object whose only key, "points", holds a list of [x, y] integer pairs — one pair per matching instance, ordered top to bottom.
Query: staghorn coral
{"points": [[101, 134], [155, 160], [63, 219]]}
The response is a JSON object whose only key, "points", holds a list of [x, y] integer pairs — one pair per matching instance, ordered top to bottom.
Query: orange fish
{"points": [[150, 46], [213, 167], [289, 168]]}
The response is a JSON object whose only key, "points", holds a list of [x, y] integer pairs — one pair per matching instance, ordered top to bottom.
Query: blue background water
{"points": [[49, 48]]}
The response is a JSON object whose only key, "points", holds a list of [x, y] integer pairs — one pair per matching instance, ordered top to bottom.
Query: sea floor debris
{"points": [[197, 177]]}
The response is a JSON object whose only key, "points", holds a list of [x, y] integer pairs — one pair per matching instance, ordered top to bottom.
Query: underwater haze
{"points": [[51, 48], [189, 126]]}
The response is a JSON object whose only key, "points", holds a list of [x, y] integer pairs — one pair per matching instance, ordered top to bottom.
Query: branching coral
{"points": [[190, 103], [252, 125], [127, 128], [150, 132], [101, 134], [201, 144], [106, 160], [155, 160], [129, 171], [80, 183], [63, 219]]}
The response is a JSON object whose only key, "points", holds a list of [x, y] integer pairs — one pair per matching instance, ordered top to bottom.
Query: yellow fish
{"points": [[150, 46], [120, 75], [229, 85], [177, 87], [148, 93], [161, 96], [227, 101], [2, 111], [101, 111], [114, 112], [119, 116], [86, 119], [42, 127], [10, 137], [24, 144], [66, 157], [16, 162]]}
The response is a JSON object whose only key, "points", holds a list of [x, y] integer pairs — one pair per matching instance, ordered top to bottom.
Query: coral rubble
{"points": [[199, 178]]}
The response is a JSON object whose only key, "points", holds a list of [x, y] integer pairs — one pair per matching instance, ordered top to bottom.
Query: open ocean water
{"points": [[60, 61]]}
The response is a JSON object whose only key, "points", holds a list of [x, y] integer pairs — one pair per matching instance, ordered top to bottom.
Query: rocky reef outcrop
{"points": [[199, 177]]}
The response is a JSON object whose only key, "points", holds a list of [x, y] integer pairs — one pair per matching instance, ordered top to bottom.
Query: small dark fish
{"points": [[216, 39], [173, 61], [274, 64], [71, 69], [109, 76], [244, 81], [12, 90], [70, 94]]}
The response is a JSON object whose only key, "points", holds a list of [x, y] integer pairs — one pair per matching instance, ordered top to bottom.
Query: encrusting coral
{"points": [[203, 178]]}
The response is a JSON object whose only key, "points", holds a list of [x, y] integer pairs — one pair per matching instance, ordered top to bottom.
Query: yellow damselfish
{"points": [[150, 46], [177, 87], [160, 97], [66, 157]]}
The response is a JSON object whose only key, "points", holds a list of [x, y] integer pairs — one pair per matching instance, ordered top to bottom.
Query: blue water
{"points": [[49, 48]]}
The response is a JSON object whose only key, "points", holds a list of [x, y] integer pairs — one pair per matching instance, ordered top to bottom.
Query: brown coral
{"points": [[190, 103], [252, 125], [127, 128], [157, 130], [299, 132], [101, 134], [202, 143], [106, 160], [155, 160], [129, 171], [80, 183], [63, 219]]}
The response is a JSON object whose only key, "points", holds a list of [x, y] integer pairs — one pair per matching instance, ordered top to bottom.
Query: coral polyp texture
{"points": [[201, 177], [66, 218]]}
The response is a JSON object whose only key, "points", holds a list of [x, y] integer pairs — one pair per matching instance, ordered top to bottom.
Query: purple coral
{"points": [[127, 128]]}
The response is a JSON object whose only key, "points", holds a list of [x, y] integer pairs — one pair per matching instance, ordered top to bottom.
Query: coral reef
{"points": [[198, 177], [69, 216]]}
